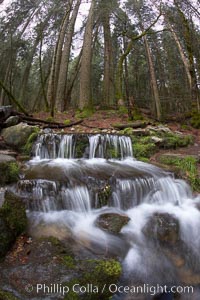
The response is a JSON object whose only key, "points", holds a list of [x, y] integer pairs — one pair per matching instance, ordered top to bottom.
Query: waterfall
{"points": [[99, 144], [50, 146], [61, 187]]}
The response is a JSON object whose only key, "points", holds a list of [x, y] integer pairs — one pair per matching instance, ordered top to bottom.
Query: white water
{"points": [[51, 146], [67, 196]]}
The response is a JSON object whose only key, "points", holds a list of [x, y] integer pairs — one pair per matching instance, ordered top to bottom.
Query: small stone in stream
{"points": [[47, 130], [112, 222], [163, 227]]}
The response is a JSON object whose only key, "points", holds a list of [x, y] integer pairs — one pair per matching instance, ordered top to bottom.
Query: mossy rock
{"points": [[84, 114], [18, 135], [175, 140], [30, 141], [144, 147], [9, 169], [13, 221], [112, 222], [6, 237], [95, 273], [4, 295]]}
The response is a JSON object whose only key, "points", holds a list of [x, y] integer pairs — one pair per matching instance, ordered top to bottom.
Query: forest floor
{"points": [[103, 120]]}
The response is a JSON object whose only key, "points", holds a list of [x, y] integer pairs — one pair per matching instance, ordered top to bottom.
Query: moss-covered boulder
{"points": [[18, 135], [143, 147], [9, 169], [13, 221], [112, 222], [6, 237], [51, 261], [5, 295]]}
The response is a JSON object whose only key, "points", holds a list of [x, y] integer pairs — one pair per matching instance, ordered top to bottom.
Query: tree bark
{"points": [[85, 70], [63, 72], [53, 79], [153, 80], [108, 82], [12, 98]]}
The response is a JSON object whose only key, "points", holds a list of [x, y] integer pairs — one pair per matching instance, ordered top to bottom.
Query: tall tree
{"points": [[63, 70], [85, 70]]}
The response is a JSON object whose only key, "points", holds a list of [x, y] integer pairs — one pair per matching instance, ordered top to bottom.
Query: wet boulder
{"points": [[18, 135], [9, 169], [13, 221], [112, 222], [163, 227], [47, 260]]}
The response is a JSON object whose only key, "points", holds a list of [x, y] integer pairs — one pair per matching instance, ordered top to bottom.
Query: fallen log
{"points": [[35, 121], [46, 124], [136, 124], [61, 125]]}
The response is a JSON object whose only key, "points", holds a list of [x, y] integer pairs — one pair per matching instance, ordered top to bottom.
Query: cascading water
{"points": [[63, 189]]}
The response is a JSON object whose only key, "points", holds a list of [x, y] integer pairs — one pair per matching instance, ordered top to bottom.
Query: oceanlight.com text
{"points": [[58, 288]]}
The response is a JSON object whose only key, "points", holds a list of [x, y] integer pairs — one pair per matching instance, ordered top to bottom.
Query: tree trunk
{"points": [[85, 71], [27, 72], [63, 72], [119, 73], [42, 79], [53, 79], [153, 80], [108, 82], [195, 93], [12, 98]]}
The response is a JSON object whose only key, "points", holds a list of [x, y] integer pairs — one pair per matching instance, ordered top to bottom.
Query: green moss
{"points": [[123, 110], [84, 114], [137, 114], [50, 119], [195, 120], [67, 122], [185, 127], [128, 131], [175, 140], [29, 144], [143, 147], [144, 159], [187, 164], [13, 171], [9, 172], [104, 195], [14, 213], [13, 221], [68, 261], [95, 273], [99, 273], [71, 295], [7, 296]]}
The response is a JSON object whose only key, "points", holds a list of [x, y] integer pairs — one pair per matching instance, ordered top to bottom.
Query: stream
{"points": [[68, 185]]}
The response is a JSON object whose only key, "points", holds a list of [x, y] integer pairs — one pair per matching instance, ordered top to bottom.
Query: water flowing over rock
{"points": [[68, 146], [90, 189]]}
